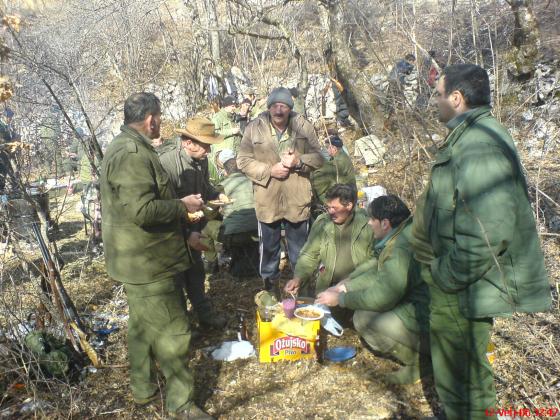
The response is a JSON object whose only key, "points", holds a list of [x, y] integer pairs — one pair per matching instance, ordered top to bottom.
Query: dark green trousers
{"points": [[159, 330], [386, 333], [463, 376]]}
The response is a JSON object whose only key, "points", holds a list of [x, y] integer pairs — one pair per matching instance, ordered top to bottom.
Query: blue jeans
{"points": [[269, 246]]}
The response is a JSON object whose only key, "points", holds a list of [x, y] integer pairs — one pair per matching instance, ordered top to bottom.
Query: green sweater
{"points": [[320, 249], [392, 280]]}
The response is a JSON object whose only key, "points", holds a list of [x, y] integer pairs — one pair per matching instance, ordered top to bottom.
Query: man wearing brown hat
{"points": [[278, 151], [184, 159], [145, 250]]}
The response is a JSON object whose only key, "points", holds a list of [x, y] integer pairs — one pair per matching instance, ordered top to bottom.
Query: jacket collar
{"points": [[458, 125], [137, 135], [359, 221], [390, 238]]}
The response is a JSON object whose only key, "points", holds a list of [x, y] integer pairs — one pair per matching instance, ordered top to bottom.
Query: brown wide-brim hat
{"points": [[201, 130]]}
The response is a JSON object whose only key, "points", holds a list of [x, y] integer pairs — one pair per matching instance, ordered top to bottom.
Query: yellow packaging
{"points": [[275, 344], [491, 352]]}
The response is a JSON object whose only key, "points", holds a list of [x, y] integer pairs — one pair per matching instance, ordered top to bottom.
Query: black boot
{"points": [[273, 287]]}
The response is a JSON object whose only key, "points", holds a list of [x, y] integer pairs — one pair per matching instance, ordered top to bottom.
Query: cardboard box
{"points": [[275, 344]]}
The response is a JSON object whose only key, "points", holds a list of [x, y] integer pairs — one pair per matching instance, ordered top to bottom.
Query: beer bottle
{"points": [[243, 331], [321, 345]]}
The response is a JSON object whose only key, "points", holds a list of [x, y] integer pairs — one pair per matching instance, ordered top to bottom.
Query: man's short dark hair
{"points": [[410, 57], [469, 79], [294, 92], [138, 106], [346, 193], [389, 207]]}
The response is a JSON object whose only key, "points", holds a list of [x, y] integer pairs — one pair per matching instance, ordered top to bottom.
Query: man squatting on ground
{"points": [[278, 151], [475, 228], [340, 240], [145, 250], [388, 293]]}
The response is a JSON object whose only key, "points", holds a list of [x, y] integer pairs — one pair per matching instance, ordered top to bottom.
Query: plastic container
{"points": [[289, 306]]}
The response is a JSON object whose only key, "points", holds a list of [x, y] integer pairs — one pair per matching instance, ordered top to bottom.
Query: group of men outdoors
{"points": [[421, 289]]}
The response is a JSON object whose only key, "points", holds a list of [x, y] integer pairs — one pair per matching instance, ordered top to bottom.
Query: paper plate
{"points": [[301, 313], [340, 354]]}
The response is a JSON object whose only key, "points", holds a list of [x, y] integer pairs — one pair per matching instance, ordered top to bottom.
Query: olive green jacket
{"points": [[257, 108], [224, 125], [337, 170], [188, 175], [277, 199], [240, 216], [141, 217], [477, 222], [320, 249], [392, 280]]}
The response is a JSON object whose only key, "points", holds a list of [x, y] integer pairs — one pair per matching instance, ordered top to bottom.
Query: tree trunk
{"points": [[214, 37], [526, 39], [343, 67]]}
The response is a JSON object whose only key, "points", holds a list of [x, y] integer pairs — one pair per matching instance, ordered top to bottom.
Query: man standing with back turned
{"points": [[474, 226], [145, 250]]}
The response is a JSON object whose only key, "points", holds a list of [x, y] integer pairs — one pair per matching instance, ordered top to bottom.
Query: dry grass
{"points": [[527, 365]]}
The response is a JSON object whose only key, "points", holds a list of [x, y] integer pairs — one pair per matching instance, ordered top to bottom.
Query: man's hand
{"points": [[235, 130], [290, 160], [279, 171], [223, 198], [192, 203], [195, 242], [292, 287], [340, 287], [329, 297]]}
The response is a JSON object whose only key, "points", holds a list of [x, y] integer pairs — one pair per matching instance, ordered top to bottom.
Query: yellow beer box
{"points": [[281, 338]]}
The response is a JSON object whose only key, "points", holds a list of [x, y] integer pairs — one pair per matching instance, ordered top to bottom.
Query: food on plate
{"points": [[308, 312]]}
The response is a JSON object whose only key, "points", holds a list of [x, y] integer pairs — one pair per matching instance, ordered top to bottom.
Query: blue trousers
{"points": [[269, 246]]}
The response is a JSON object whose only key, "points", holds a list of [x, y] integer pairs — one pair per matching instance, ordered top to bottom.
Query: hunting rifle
{"points": [[73, 326]]}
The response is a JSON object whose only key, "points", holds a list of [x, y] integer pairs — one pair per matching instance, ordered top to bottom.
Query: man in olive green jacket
{"points": [[226, 124], [278, 151], [184, 160], [337, 169], [240, 225], [475, 227], [340, 240], [145, 250], [388, 293]]}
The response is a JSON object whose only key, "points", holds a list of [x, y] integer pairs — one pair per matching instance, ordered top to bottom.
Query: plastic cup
{"points": [[289, 306]]}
